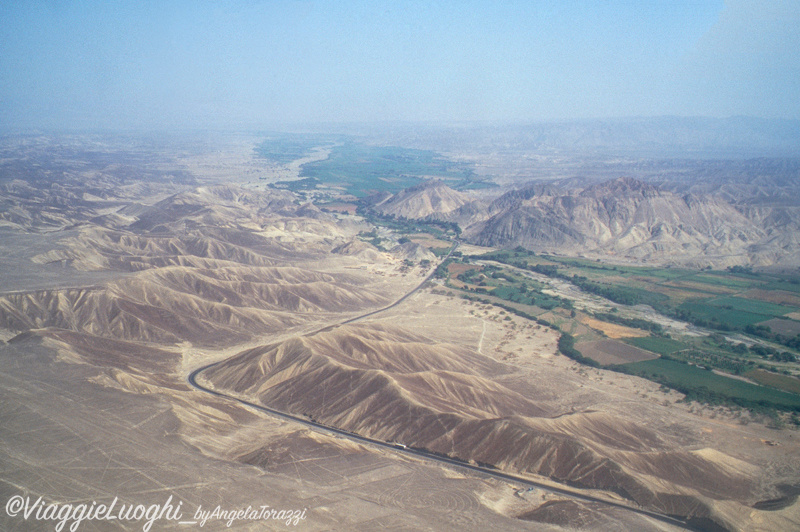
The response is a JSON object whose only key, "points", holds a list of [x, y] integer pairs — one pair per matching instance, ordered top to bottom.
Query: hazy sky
{"points": [[238, 63]]}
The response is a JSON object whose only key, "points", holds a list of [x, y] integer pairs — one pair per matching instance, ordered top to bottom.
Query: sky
{"points": [[156, 64]]}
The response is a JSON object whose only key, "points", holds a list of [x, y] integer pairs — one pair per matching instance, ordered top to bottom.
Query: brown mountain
{"points": [[426, 199], [624, 217], [391, 384]]}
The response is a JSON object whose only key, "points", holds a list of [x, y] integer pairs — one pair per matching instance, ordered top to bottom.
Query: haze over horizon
{"points": [[244, 64]]}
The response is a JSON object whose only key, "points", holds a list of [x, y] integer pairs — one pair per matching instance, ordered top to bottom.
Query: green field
{"points": [[285, 148], [363, 169], [648, 276], [728, 280], [790, 285], [530, 297], [752, 305], [735, 312], [715, 316], [781, 382], [709, 387]]}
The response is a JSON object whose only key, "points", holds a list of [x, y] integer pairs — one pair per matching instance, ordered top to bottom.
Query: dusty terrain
{"points": [[113, 298], [534, 413]]}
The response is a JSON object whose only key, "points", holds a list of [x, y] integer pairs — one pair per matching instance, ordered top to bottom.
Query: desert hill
{"points": [[426, 199], [623, 218], [359, 249], [412, 251], [208, 265], [177, 303], [386, 382]]}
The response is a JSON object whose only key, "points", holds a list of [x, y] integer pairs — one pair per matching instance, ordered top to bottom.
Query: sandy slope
{"points": [[389, 383]]}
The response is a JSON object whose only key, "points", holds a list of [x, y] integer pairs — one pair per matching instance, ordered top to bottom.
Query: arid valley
{"points": [[404, 386]]}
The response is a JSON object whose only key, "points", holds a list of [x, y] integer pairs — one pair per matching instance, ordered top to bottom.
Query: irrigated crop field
{"points": [[362, 170], [739, 321], [609, 352], [706, 385]]}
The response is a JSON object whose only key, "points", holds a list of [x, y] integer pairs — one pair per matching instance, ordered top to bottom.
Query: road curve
{"points": [[422, 453]]}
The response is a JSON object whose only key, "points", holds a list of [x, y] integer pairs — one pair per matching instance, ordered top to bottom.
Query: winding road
{"points": [[422, 453]]}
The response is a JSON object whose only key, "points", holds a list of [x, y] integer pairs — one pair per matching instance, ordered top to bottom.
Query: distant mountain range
{"points": [[735, 137]]}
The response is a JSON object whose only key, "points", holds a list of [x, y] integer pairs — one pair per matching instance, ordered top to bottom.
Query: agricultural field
{"points": [[284, 148], [361, 170], [428, 241], [504, 284], [780, 297], [722, 300], [753, 305], [721, 314], [740, 320], [784, 327], [612, 330], [660, 345], [609, 351], [712, 351], [781, 382], [704, 385]]}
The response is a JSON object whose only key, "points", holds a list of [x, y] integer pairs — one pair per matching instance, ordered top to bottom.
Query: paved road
{"points": [[481, 471]]}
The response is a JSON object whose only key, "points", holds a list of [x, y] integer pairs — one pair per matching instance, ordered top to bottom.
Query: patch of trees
{"points": [[298, 185], [403, 224], [550, 270], [741, 270], [441, 271], [503, 275], [469, 276], [617, 294], [523, 295], [512, 310], [689, 317], [637, 323], [765, 332], [766, 352], [711, 361]]}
